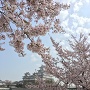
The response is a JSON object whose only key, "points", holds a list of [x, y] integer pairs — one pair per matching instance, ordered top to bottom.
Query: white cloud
{"points": [[88, 1], [77, 6], [63, 14], [74, 20], [80, 20], [65, 23], [74, 25], [82, 30], [71, 31], [67, 35], [57, 39], [62, 43], [34, 57]]}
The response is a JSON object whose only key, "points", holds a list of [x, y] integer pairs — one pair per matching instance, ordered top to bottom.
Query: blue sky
{"points": [[74, 20]]}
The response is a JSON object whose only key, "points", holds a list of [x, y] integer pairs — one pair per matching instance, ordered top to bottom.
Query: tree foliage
{"points": [[16, 22], [74, 62]]}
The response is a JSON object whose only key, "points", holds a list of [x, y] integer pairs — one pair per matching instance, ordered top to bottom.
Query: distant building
{"points": [[42, 74], [29, 79], [2, 83]]}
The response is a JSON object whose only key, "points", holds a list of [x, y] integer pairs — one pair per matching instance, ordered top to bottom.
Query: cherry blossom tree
{"points": [[17, 16], [16, 23], [72, 66]]}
